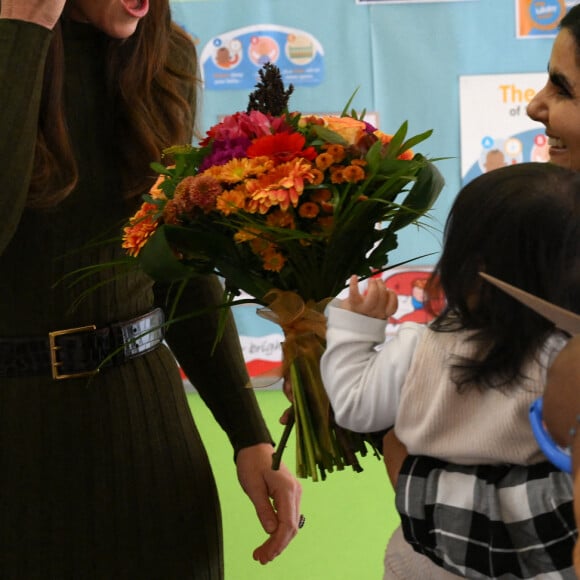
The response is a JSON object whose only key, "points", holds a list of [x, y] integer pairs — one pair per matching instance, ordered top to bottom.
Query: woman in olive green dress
{"points": [[104, 475]]}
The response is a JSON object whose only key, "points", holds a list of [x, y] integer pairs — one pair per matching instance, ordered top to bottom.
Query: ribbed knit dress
{"points": [[108, 478]]}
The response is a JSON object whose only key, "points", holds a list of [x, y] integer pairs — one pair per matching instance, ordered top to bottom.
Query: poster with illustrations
{"points": [[540, 18], [232, 59], [503, 134]]}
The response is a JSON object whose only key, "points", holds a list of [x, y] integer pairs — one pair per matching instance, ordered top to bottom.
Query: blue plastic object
{"points": [[554, 453]]}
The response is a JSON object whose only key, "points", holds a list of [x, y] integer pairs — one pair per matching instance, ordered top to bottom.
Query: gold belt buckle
{"points": [[55, 364]]}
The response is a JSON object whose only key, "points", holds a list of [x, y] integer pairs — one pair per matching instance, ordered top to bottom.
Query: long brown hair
{"points": [[151, 77]]}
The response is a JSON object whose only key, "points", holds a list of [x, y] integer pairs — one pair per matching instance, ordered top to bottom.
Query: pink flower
{"points": [[249, 125]]}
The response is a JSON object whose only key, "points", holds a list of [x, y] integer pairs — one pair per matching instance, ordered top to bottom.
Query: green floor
{"points": [[350, 516]]}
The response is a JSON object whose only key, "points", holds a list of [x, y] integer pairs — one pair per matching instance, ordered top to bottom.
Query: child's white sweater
{"points": [[406, 382]]}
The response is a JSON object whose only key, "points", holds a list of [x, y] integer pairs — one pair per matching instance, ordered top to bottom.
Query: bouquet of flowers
{"points": [[286, 207]]}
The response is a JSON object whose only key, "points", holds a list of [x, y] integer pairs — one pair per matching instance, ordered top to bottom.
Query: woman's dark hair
{"points": [[571, 22], [153, 83], [521, 224]]}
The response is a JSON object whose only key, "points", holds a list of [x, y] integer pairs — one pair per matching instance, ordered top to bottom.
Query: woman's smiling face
{"points": [[116, 18], [557, 105]]}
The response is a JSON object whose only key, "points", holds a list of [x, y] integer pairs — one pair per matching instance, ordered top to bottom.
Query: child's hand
{"points": [[378, 302]]}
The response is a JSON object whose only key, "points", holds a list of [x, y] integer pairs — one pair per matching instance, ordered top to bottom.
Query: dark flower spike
{"points": [[270, 96]]}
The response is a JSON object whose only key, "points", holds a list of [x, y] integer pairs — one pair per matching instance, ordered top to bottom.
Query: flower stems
{"points": [[321, 445]]}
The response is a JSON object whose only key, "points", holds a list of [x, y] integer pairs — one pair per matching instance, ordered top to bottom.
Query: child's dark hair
{"points": [[520, 224]]}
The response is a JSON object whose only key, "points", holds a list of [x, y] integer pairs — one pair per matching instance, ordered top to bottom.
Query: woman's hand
{"points": [[42, 12], [378, 302], [394, 454], [276, 496]]}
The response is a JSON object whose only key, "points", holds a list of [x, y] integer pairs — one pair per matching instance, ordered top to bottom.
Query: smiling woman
{"points": [[557, 105], [541, 534]]}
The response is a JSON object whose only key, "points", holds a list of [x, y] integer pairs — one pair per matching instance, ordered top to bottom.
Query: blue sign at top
{"points": [[232, 60]]}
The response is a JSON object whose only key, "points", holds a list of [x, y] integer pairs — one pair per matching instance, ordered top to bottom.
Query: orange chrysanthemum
{"points": [[337, 151], [324, 161], [238, 170], [336, 174], [353, 174], [318, 176], [283, 186], [199, 191], [231, 201], [308, 209], [172, 212], [281, 219], [141, 227], [260, 245], [273, 261]]}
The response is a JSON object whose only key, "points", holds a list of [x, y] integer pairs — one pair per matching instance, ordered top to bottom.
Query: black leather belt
{"points": [[83, 351]]}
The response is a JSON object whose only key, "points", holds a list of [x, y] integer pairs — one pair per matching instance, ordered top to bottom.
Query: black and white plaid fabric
{"points": [[491, 521]]}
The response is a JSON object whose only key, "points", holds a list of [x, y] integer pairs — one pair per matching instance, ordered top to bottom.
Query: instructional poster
{"points": [[232, 59], [503, 134]]}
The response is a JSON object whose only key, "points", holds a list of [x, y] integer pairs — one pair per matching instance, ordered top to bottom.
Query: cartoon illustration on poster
{"points": [[540, 18], [232, 60], [504, 135], [409, 285]]}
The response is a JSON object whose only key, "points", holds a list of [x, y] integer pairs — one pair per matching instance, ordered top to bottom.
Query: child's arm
{"points": [[362, 374]]}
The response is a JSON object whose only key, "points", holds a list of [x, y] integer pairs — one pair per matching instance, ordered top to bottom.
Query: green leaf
{"points": [[346, 107], [329, 136], [413, 141], [394, 147], [160, 168], [420, 199], [197, 242], [378, 258], [158, 259]]}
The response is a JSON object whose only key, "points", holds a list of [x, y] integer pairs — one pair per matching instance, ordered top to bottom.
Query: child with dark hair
{"points": [[460, 388], [449, 512]]}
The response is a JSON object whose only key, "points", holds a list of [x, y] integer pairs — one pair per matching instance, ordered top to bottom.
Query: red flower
{"points": [[282, 147]]}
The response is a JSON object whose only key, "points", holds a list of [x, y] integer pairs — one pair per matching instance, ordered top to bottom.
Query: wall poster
{"points": [[540, 18], [504, 134]]}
